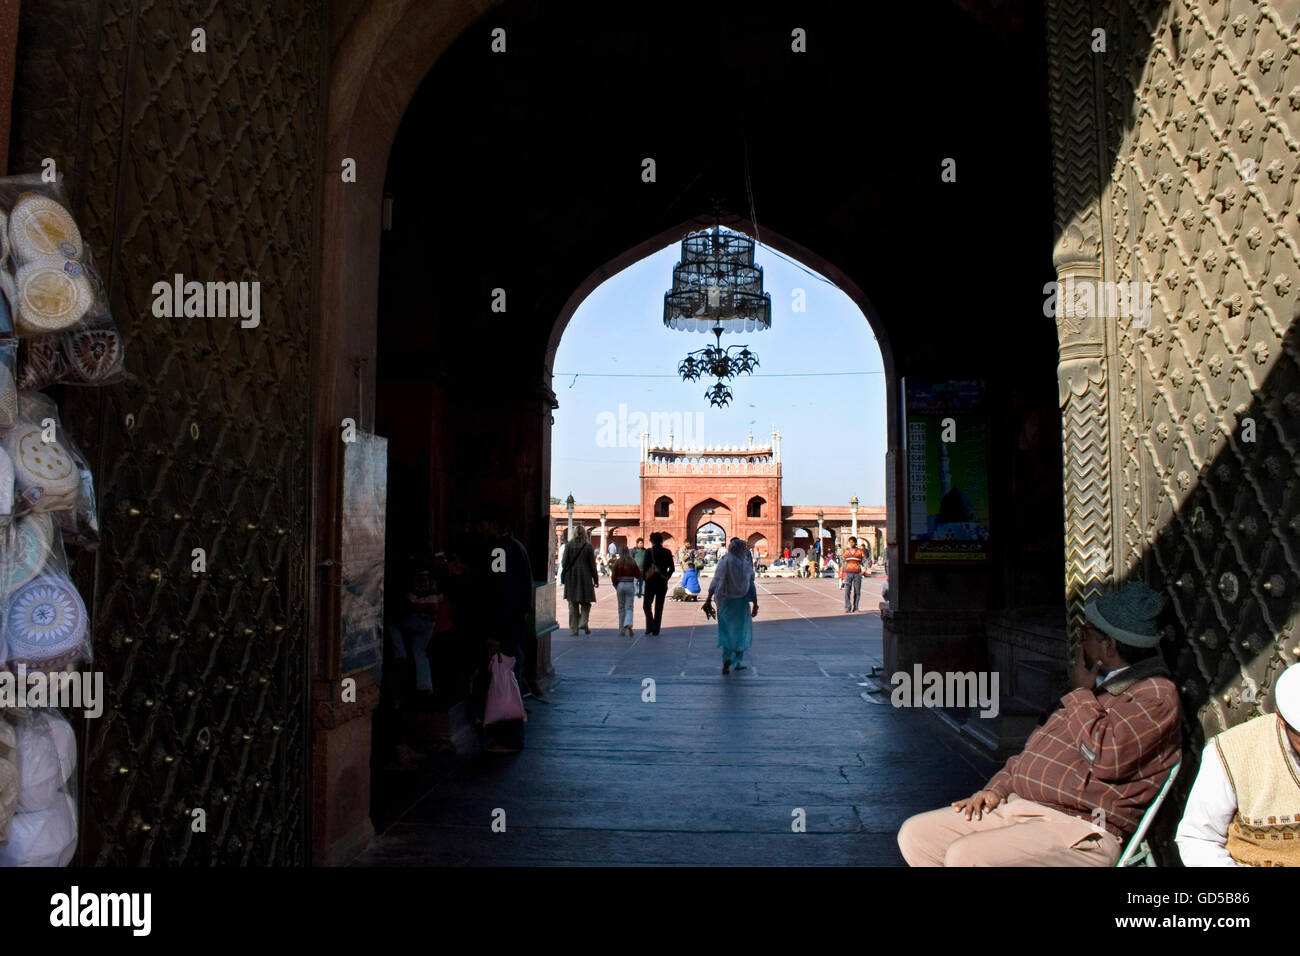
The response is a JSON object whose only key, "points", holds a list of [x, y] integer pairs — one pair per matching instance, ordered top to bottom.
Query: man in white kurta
{"points": [[1244, 808]]}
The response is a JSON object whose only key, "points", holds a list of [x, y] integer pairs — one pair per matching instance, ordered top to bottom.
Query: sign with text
{"points": [[947, 506]]}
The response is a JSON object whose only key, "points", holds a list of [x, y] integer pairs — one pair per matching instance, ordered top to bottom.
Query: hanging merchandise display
{"points": [[55, 299], [55, 328], [50, 472], [43, 829]]}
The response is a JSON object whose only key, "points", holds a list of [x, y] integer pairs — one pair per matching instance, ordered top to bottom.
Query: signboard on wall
{"points": [[945, 438], [365, 505], [891, 505]]}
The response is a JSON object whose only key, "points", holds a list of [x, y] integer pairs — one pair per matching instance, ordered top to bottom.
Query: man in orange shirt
{"points": [[853, 560]]}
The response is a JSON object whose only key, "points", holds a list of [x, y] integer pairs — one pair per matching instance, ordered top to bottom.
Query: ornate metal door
{"points": [[1176, 129], [205, 164]]}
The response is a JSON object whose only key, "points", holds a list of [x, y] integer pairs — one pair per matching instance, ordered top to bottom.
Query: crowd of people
{"points": [[645, 572], [639, 573]]}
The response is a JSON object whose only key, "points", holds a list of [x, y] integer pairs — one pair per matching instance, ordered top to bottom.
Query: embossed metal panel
{"points": [[1177, 158], [204, 164], [1204, 206]]}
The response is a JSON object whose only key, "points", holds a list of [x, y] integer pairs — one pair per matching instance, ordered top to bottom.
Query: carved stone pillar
{"points": [[1083, 373], [1083, 390]]}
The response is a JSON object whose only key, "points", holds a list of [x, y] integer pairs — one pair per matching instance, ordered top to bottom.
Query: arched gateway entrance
{"points": [[1170, 160], [471, 219], [487, 436]]}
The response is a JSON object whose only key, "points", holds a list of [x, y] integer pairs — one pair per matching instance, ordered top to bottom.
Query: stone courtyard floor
{"points": [[712, 771]]}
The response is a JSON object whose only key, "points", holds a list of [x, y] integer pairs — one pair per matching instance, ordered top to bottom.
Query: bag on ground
{"points": [[504, 702]]}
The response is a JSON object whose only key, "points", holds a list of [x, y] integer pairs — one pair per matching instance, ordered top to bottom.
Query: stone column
{"points": [[1083, 374]]}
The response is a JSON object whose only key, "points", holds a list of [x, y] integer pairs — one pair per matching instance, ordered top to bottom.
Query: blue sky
{"points": [[617, 352]]}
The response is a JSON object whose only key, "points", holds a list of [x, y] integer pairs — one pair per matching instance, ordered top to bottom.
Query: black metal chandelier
{"points": [[717, 288]]}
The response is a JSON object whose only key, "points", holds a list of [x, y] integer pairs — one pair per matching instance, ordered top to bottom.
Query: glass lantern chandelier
{"points": [[717, 288]]}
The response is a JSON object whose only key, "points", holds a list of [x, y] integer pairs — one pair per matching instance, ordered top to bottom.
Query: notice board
{"points": [[946, 446]]}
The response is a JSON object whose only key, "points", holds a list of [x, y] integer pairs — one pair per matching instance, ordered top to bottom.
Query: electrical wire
{"points": [[749, 189], [799, 265], [578, 375]]}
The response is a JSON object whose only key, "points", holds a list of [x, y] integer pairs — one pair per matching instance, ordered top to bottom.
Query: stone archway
{"points": [[379, 61], [371, 82], [709, 511], [711, 531]]}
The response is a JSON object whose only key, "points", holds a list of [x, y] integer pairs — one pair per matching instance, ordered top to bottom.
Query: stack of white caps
{"points": [[53, 290], [43, 831]]}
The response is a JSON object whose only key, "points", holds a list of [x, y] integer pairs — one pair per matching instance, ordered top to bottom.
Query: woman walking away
{"points": [[578, 571], [626, 575], [733, 583]]}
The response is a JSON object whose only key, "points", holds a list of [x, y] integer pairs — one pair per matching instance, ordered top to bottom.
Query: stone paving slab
{"points": [[709, 772]]}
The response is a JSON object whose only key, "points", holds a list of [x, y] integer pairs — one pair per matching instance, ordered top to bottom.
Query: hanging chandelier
{"points": [[717, 288]]}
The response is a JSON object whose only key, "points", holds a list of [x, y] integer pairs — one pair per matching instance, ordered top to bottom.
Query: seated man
{"points": [[691, 583], [1085, 778], [1244, 808]]}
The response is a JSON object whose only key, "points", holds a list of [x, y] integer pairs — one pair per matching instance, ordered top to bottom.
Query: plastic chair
{"points": [[1138, 853]]}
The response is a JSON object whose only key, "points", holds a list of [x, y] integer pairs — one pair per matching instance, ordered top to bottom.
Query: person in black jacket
{"points": [[657, 568]]}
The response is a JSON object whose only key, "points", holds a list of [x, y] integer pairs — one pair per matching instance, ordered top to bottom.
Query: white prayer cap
{"points": [[1286, 693]]}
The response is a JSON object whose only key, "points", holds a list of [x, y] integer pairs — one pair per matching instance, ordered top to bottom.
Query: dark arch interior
{"points": [[533, 185]]}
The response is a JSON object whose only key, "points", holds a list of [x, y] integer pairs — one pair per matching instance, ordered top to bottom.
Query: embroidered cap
{"points": [[40, 227], [53, 294], [45, 474], [26, 548], [1128, 615], [45, 625], [1286, 694]]}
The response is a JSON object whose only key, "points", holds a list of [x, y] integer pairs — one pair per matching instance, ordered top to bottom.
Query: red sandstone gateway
{"points": [[737, 488]]}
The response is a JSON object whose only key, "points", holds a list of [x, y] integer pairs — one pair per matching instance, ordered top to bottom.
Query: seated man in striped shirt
{"points": [[1084, 779]]}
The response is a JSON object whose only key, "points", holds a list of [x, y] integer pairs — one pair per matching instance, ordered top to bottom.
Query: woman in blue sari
{"points": [[733, 584]]}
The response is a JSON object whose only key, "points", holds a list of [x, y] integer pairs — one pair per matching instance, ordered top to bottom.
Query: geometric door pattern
{"points": [[1177, 159], [208, 165]]}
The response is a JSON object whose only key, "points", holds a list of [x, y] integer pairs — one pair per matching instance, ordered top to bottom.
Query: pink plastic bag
{"points": [[504, 702]]}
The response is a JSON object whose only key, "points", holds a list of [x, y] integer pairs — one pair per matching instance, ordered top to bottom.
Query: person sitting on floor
{"points": [[691, 583], [1084, 779], [1244, 808]]}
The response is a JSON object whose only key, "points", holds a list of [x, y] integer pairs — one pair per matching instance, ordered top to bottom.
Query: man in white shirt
{"points": [[1244, 808]]}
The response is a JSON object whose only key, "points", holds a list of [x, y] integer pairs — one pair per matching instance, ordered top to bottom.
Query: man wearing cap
{"points": [[1080, 786], [1244, 809]]}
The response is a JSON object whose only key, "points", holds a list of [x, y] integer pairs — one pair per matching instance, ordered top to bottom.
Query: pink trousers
{"points": [[1015, 833]]}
